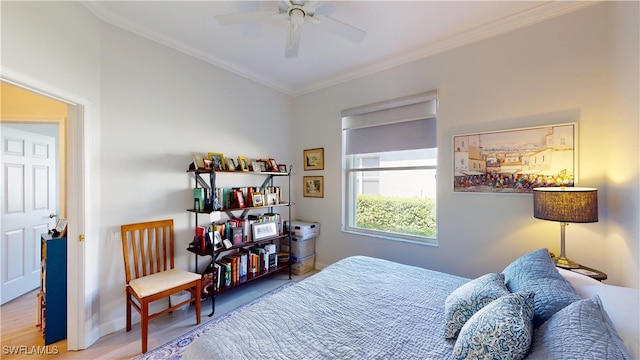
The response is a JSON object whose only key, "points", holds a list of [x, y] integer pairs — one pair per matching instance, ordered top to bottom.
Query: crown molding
{"points": [[538, 14]]}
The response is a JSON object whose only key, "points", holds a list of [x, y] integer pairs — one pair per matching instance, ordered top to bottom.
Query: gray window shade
{"points": [[406, 123], [408, 135]]}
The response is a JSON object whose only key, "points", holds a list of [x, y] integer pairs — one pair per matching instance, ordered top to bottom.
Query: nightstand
{"points": [[592, 273]]}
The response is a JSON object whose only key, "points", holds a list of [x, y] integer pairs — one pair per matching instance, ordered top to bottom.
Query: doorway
{"points": [[33, 164], [81, 331]]}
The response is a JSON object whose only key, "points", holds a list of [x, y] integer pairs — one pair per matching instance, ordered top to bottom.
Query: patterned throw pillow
{"points": [[536, 272], [466, 300], [500, 330], [581, 330]]}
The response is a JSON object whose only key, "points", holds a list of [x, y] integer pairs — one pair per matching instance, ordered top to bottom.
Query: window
{"points": [[390, 165]]}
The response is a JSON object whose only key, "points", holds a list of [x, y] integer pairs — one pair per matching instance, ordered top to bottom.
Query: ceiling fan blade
{"points": [[239, 18], [339, 28], [293, 41]]}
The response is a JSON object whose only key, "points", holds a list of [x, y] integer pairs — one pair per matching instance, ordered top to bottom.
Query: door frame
{"points": [[82, 288]]}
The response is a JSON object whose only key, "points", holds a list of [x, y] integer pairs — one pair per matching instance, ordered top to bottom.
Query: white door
{"points": [[29, 188]]}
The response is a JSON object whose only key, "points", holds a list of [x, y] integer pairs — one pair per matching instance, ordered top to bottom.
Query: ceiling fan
{"points": [[297, 12]]}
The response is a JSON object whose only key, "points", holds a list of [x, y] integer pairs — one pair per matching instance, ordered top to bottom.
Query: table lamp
{"points": [[565, 205]]}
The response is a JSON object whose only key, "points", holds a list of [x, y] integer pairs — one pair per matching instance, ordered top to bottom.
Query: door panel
{"points": [[29, 189]]}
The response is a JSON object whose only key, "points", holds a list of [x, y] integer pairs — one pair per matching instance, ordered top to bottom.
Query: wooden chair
{"points": [[150, 274]]}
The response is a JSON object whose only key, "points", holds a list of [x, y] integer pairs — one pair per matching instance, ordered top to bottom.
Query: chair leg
{"points": [[197, 300], [128, 311], [144, 323]]}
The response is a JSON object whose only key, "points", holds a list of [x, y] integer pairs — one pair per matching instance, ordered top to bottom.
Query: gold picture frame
{"points": [[313, 159], [217, 160], [243, 162], [313, 186], [258, 199]]}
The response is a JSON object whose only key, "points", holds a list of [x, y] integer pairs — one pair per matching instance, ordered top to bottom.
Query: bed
{"points": [[369, 308]]}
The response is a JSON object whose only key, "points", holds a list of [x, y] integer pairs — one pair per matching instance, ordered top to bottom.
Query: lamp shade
{"points": [[566, 204]]}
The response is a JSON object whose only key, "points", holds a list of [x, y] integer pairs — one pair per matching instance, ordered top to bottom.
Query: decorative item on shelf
{"points": [[313, 159], [217, 160], [198, 161], [243, 163], [208, 164], [230, 164], [262, 165], [273, 165], [255, 166], [282, 168], [313, 186], [258, 199], [272, 199], [238, 202], [565, 205], [61, 228], [264, 230], [217, 241]]}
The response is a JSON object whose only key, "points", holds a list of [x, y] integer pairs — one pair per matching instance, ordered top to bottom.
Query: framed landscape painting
{"points": [[516, 160]]}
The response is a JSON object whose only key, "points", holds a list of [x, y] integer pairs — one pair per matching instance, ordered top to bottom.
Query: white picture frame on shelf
{"points": [[264, 230]]}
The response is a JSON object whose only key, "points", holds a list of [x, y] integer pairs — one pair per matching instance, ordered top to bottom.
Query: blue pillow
{"points": [[536, 272], [466, 300], [500, 330], [581, 330]]}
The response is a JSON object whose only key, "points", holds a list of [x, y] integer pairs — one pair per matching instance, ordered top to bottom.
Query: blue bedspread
{"points": [[357, 308]]}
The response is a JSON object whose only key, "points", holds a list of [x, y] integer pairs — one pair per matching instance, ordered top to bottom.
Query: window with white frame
{"points": [[390, 164]]}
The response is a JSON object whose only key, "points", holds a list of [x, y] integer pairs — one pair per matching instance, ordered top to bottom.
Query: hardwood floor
{"points": [[19, 333]]}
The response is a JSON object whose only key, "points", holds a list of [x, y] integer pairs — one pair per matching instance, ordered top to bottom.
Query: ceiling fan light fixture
{"points": [[297, 16]]}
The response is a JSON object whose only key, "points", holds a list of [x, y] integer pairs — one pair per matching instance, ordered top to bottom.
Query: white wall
{"points": [[42, 46], [557, 71], [160, 106]]}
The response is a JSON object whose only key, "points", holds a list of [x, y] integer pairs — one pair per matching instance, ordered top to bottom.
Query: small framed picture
{"points": [[314, 159], [217, 160], [198, 161], [243, 162], [208, 164], [231, 164], [262, 165], [273, 165], [255, 166], [282, 168], [313, 186], [258, 199], [272, 199], [61, 228], [264, 230], [217, 241], [227, 244]]}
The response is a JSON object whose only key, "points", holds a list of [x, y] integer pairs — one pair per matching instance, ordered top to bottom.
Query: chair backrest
{"points": [[147, 248]]}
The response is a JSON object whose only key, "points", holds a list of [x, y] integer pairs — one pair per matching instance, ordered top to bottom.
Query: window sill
{"points": [[427, 241]]}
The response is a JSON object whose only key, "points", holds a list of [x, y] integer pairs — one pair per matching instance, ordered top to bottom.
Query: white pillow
{"points": [[621, 304]]}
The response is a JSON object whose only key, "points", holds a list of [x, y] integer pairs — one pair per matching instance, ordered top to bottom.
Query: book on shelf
{"points": [[199, 199], [225, 272]]}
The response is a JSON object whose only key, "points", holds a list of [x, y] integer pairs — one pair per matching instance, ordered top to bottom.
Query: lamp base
{"points": [[565, 263]]}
